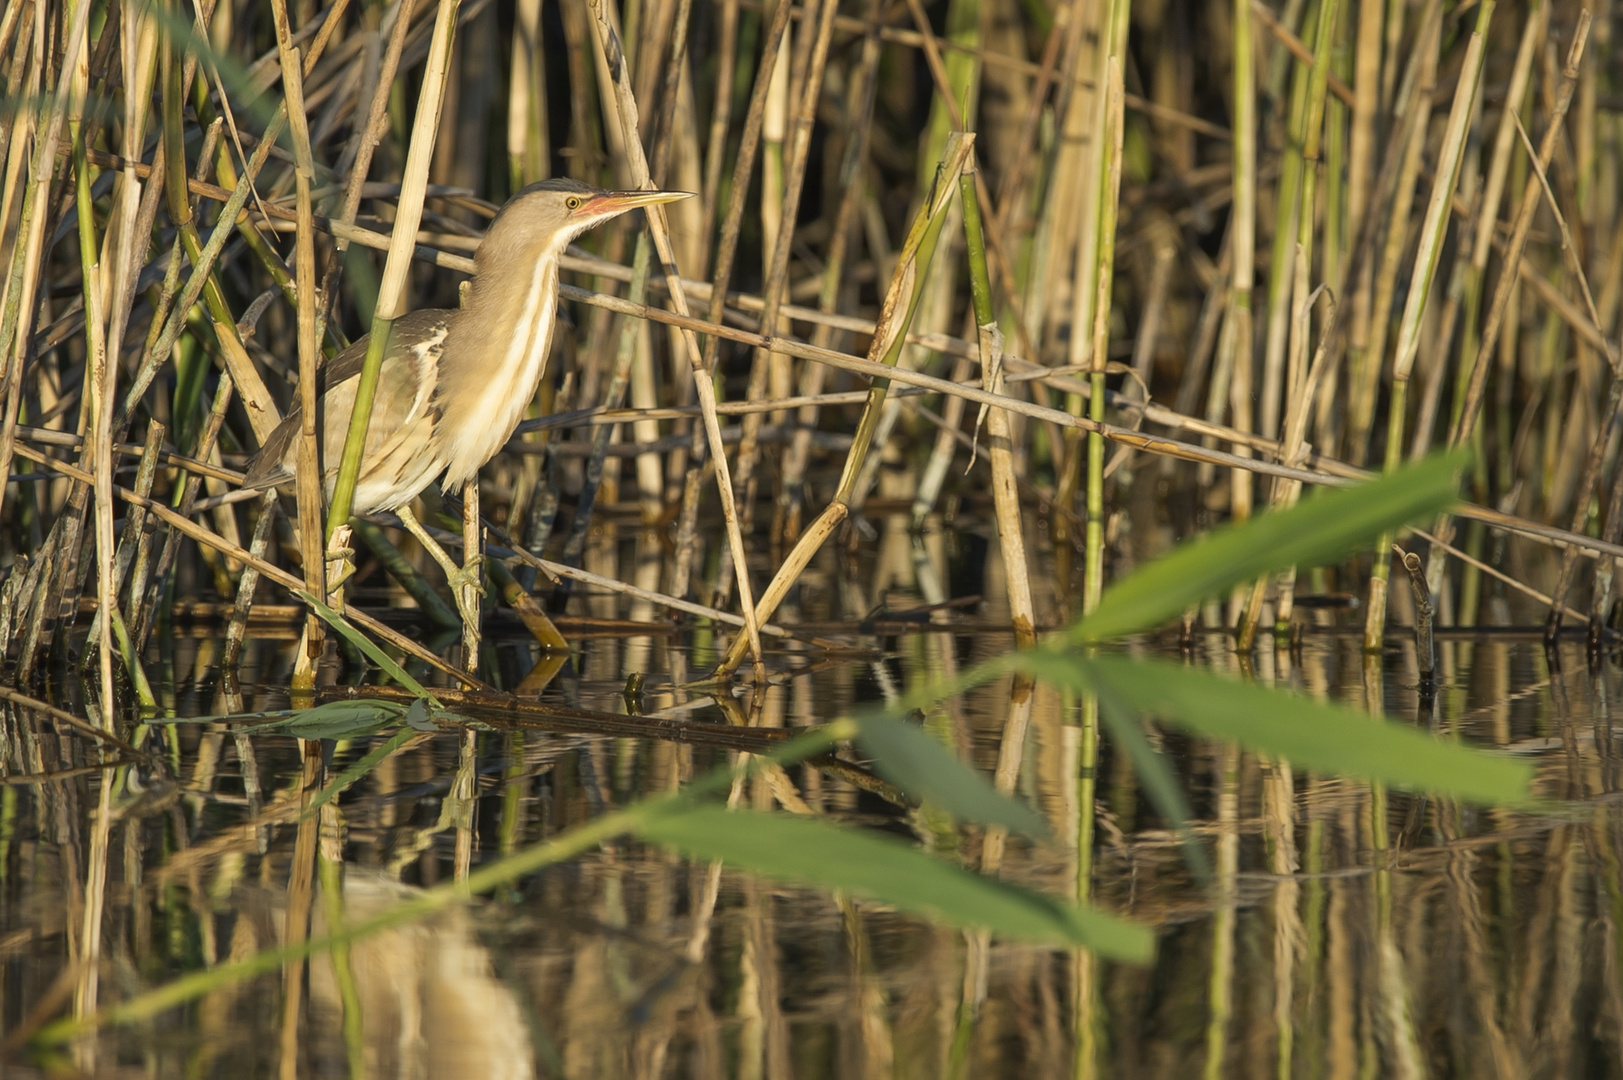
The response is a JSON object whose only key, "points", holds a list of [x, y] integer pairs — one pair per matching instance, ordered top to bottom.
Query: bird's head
{"points": [[546, 216]]}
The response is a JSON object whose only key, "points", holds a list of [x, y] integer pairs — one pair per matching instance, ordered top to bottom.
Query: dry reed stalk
{"points": [[610, 50], [859, 115], [1108, 163], [1395, 185], [1291, 206], [1432, 232], [726, 255], [391, 291], [901, 300], [17, 320], [1238, 346], [767, 368], [1299, 382], [1609, 414], [1465, 422], [97, 450], [307, 462], [1006, 498], [134, 535], [203, 535], [473, 561], [142, 617], [237, 627]]}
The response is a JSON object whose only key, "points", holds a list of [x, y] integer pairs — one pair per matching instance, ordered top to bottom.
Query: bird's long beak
{"points": [[618, 202]]}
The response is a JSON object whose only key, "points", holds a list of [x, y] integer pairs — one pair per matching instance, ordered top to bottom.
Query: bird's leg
{"points": [[456, 576]]}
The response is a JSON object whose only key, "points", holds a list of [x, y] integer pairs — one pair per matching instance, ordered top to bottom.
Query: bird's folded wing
{"points": [[272, 466]]}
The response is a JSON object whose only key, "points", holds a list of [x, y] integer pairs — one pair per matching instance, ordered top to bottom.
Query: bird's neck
{"points": [[495, 355]]}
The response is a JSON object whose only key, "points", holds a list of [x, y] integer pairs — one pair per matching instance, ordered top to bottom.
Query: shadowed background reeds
{"points": [[1281, 244], [993, 299]]}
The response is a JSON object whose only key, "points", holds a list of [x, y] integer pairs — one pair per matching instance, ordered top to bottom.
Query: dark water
{"points": [[1356, 932]]}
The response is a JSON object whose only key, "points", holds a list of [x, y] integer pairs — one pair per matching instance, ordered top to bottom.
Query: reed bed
{"points": [[1010, 251]]}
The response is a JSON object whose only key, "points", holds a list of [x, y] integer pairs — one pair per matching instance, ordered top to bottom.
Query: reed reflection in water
{"points": [[1350, 928]]}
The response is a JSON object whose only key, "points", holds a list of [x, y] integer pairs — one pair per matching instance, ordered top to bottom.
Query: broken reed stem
{"points": [[1005, 493], [1424, 643]]}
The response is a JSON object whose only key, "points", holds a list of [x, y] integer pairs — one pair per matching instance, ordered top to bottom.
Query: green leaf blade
{"points": [[1314, 532], [1311, 734], [914, 761], [818, 853]]}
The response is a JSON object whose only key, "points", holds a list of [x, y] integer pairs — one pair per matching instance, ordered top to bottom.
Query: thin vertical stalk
{"points": [[609, 44], [859, 116], [529, 151], [791, 172], [1291, 205], [1432, 232], [403, 242], [17, 321], [1476, 373], [99, 390], [307, 460], [1005, 494], [473, 560], [1093, 563]]}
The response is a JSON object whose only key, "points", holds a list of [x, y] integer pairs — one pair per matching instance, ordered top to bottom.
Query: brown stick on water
{"points": [[1425, 644]]}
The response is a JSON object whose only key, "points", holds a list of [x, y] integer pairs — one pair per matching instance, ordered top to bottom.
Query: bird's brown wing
{"points": [[336, 383]]}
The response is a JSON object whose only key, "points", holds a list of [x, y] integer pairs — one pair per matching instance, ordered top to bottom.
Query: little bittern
{"points": [[454, 384]]}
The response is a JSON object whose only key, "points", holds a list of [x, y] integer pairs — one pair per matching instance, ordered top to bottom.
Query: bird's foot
{"points": [[468, 589]]}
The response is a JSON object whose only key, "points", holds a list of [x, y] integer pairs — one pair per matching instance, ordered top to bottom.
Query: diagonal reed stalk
{"points": [[890, 335]]}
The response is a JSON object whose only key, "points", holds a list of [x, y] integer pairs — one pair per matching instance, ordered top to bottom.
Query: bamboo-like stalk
{"points": [[1403, 157], [1109, 190], [1290, 205], [1242, 229], [1432, 232], [98, 449]]}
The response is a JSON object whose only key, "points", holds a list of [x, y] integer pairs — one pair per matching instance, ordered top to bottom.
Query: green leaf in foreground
{"points": [[1318, 530], [1311, 734], [914, 761], [818, 853]]}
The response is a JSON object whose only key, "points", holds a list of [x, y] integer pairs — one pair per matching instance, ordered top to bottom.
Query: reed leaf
{"points": [[802, 849]]}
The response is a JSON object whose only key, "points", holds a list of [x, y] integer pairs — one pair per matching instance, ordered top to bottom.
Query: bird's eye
{"points": [[574, 202]]}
